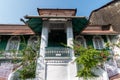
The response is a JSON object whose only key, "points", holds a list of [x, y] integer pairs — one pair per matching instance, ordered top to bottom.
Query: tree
{"points": [[30, 55], [87, 59]]}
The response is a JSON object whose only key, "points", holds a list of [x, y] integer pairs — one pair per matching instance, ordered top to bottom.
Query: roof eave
{"points": [[28, 17]]}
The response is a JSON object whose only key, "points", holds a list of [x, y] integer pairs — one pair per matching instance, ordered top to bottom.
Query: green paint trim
{"points": [[35, 24], [4, 41]]}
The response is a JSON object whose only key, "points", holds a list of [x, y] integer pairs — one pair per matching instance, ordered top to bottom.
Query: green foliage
{"points": [[30, 55], [88, 58], [28, 70]]}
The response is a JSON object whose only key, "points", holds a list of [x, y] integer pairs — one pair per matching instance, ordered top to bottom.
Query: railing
{"points": [[58, 52]]}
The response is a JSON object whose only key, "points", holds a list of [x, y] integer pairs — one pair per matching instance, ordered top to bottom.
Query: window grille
{"points": [[13, 43]]}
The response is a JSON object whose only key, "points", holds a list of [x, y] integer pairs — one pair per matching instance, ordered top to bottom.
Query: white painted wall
{"points": [[72, 70], [56, 72]]}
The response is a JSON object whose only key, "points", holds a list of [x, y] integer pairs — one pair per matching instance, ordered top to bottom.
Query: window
{"points": [[33, 41], [81, 41], [98, 42], [13, 43]]}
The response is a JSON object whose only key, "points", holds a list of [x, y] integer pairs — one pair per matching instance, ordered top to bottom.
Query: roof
{"points": [[56, 12], [107, 14], [62, 15], [35, 22], [15, 29], [99, 30]]}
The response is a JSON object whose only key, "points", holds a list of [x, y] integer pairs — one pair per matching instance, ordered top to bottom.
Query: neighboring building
{"points": [[109, 16], [56, 27]]}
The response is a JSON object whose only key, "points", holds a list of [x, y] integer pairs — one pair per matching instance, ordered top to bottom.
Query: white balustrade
{"points": [[57, 52]]}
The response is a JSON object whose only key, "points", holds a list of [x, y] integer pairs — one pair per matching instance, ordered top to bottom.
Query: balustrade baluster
{"points": [[57, 52]]}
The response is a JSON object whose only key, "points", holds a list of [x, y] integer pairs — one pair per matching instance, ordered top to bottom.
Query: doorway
{"points": [[57, 38]]}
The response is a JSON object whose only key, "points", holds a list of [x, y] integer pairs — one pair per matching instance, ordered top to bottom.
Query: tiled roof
{"points": [[56, 12], [107, 14], [15, 29], [99, 30]]}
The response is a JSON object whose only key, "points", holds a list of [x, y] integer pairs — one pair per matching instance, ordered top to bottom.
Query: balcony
{"points": [[58, 53]]}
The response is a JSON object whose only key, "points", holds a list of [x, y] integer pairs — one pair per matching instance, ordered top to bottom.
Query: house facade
{"points": [[56, 29]]}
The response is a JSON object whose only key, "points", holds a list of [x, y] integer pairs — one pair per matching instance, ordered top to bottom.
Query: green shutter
{"points": [[89, 41], [23, 42], [3, 43]]}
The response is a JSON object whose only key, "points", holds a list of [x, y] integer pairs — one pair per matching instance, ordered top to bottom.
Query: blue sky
{"points": [[12, 10]]}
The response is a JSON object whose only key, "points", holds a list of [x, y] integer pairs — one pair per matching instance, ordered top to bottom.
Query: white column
{"points": [[69, 34], [44, 38], [72, 69], [40, 70]]}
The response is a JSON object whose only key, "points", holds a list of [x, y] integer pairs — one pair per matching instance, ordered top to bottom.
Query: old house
{"points": [[56, 27]]}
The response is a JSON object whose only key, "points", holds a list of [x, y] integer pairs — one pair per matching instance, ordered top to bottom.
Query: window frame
{"points": [[29, 40], [84, 40], [8, 43], [98, 43]]}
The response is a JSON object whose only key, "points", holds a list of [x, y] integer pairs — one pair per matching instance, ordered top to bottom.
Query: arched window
{"points": [[33, 41], [81, 41], [98, 42], [13, 43]]}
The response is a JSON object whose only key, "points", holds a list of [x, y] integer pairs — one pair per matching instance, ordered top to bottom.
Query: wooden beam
{"points": [[28, 17]]}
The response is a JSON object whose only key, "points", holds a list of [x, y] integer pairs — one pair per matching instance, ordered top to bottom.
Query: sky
{"points": [[12, 10]]}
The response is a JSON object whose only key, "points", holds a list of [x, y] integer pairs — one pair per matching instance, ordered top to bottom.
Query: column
{"points": [[69, 31], [44, 38], [72, 68], [40, 70]]}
